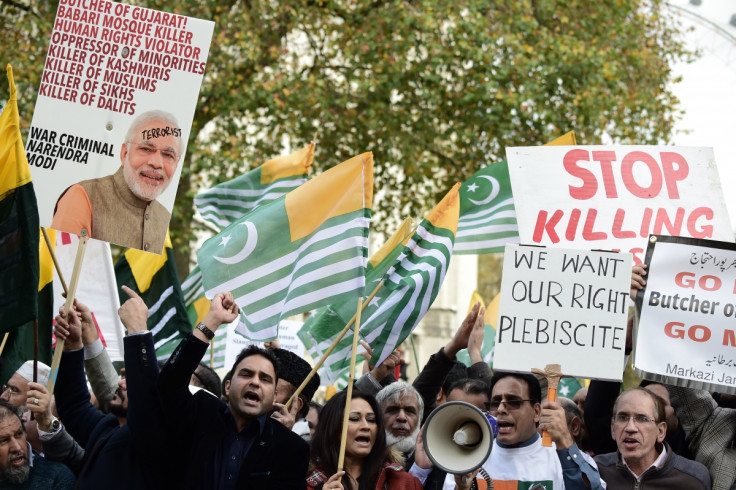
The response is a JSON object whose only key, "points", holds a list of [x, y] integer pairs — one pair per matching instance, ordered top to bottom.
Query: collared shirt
{"points": [[235, 448], [658, 463]]}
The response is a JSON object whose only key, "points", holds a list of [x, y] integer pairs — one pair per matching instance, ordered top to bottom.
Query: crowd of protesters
{"points": [[175, 424]]}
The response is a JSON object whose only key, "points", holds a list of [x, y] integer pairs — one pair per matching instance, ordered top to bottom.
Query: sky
{"points": [[707, 89]]}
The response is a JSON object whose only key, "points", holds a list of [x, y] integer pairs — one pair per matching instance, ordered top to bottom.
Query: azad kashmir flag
{"points": [[228, 202], [487, 214], [19, 237], [297, 253], [155, 279], [410, 286], [321, 328], [489, 337]]}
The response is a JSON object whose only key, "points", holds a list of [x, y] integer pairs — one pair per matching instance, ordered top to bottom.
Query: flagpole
{"points": [[53, 258], [67, 307], [5, 339], [332, 347], [35, 350], [212, 353], [346, 414]]}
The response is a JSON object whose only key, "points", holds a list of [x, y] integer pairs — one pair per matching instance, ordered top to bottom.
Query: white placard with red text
{"points": [[107, 63], [614, 197], [563, 306], [686, 332], [288, 340]]}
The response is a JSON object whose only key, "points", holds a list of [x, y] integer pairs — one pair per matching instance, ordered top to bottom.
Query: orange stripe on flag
{"points": [[296, 163], [313, 203]]}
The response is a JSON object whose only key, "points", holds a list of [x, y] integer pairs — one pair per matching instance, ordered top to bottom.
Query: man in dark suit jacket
{"points": [[236, 445], [125, 448]]}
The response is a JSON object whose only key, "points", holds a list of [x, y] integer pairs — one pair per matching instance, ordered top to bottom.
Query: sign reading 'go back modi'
{"points": [[114, 111], [614, 197], [685, 334]]}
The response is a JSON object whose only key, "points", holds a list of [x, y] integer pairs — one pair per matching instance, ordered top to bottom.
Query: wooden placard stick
{"points": [[53, 259], [67, 307], [5, 339], [332, 347], [553, 373], [346, 415]]}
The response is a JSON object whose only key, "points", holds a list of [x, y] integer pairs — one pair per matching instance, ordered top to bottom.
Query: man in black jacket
{"points": [[235, 445], [126, 448]]}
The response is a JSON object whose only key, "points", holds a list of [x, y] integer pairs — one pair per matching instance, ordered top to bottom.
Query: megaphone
{"points": [[458, 437]]}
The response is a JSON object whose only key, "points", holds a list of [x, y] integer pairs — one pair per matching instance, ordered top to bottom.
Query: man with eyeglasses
{"points": [[122, 208], [518, 459], [644, 460]]}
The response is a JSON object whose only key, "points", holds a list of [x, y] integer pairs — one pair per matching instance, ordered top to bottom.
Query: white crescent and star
{"points": [[495, 187], [250, 245]]}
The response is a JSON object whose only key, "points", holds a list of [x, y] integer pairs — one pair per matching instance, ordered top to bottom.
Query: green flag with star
{"points": [[297, 253]]}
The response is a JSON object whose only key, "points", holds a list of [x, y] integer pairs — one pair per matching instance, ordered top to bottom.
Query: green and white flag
{"points": [[230, 201], [226, 203], [487, 213], [302, 251], [155, 279], [410, 286], [321, 328]]}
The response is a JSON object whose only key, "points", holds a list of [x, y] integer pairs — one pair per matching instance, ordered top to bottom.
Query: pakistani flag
{"points": [[228, 202], [487, 213], [302, 251], [155, 279], [320, 329], [489, 337], [567, 387]]}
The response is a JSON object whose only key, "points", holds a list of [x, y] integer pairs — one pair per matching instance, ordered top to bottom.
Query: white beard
{"points": [[131, 178], [404, 444]]}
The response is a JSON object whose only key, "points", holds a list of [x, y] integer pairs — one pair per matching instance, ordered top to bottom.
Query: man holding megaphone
{"points": [[517, 458]]}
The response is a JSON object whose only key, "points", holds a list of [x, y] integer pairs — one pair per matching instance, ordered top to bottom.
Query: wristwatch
{"points": [[206, 331], [53, 426]]}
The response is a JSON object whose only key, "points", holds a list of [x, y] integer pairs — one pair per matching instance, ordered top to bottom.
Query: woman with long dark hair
{"points": [[368, 463]]}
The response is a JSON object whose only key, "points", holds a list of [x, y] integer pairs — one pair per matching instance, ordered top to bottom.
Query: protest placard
{"points": [[115, 74], [614, 197], [563, 306], [685, 334], [288, 340]]}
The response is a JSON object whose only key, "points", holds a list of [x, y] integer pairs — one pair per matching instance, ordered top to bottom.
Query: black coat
{"points": [[278, 459]]}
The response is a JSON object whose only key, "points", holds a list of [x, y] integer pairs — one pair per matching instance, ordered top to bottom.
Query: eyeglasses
{"points": [[148, 150], [13, 390], [512, 404], [639, 419]]}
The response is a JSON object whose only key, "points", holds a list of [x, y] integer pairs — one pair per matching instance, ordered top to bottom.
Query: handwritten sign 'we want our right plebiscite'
{"points": [[563, 306]]}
